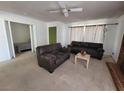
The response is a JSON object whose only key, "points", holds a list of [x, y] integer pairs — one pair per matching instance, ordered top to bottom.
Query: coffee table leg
{"points": [[75, 59], [87, 63]]}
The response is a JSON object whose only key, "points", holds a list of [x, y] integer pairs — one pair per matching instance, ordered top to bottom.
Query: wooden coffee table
{"points": [[85, 57]]}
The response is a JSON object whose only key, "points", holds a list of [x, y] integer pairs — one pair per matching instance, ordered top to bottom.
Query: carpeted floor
{"points": [[23, 73]]}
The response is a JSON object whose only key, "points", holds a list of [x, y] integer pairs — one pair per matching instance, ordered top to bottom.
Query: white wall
{"points": [[39, 31], [20, 32], [41, 34], [110, 35], [118, 38]]}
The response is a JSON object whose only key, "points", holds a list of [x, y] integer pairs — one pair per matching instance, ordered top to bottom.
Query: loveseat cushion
{"points": [[56, 46], [48, 48], [45, 49], [49, 57], [61, 57]]}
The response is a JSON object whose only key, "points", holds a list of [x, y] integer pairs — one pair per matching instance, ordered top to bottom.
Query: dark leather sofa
{"points": [[94, 49], [51, 56]]}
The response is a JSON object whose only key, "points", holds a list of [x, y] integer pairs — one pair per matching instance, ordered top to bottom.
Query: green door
{"points": [[52, 35]]}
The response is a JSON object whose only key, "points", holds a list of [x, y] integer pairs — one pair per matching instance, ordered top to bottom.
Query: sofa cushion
{"points": [[75, 43], [83, 44], [95, 45], [77, 48], [91, 51]]}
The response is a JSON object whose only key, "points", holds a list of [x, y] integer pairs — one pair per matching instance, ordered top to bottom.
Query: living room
{"points": [[92, 29]]}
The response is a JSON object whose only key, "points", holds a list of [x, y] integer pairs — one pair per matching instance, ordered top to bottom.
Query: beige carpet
{"points": [[23, 73]]}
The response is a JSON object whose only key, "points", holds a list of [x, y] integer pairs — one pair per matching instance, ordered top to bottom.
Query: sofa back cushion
{"points": [[75, 43], [83, 44], [87, 44], [95, 45], [49, 48]]}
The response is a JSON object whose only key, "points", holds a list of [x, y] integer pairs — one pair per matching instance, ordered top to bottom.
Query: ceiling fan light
{"points": [[65, 11], [66, 14]]}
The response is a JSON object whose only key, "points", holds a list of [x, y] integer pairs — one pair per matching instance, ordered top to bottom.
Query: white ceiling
{"points": [[39, 9]]}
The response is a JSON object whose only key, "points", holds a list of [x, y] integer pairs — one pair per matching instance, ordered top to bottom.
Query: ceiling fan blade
{"points": [[62, 4], [63, 7], [76, 10], [54, 11]]}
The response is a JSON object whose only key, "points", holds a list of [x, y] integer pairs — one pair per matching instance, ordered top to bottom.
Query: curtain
{"points": [[77, 34], [88, 34], [94, 34]]}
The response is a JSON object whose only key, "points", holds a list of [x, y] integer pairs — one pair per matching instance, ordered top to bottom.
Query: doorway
{"points": [[52, 35], [20, 38]]}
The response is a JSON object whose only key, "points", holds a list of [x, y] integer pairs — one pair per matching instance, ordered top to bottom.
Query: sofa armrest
{"points": [[69, 46], [100, 50], [49, 58], [47, 61]]}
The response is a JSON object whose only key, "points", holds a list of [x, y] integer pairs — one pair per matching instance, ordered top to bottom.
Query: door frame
{"points": [[32, 38], [9, 39], [11, 43]]}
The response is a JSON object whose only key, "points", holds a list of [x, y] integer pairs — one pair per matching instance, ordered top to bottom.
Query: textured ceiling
{"points": [[39, 9]]}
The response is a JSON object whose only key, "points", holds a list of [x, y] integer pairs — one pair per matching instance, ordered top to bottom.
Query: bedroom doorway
{"points": [[20, 38]]}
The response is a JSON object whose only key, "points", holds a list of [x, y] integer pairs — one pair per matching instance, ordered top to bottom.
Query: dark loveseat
{"points": [[94, 49], [51, 56]]}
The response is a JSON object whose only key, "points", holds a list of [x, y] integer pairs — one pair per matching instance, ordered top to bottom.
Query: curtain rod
{"points": [[94, 25]]}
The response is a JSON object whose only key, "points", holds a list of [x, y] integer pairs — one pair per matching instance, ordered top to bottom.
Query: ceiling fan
{"points": [[64, 9]]}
